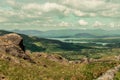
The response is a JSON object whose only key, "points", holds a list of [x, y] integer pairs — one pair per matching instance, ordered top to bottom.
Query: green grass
{"points": [[45, 69], [25, 70], [117, 77]]}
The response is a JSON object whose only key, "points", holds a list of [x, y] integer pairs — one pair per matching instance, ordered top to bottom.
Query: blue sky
{"points": [[59, 14]]}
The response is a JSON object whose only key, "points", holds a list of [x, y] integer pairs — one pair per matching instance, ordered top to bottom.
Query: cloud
{"points": [[11, 2], [87, 4], [44, 7], [48, 7], [101, 7], [62, 13], [79, 13], [92, 14], [2, 19], [83, 22], [65, 24], [97, 24], [112, 25]]}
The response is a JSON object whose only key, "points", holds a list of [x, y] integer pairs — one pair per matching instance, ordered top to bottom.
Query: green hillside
{"points": [[36, 44], [80, 63], [45, 69]]}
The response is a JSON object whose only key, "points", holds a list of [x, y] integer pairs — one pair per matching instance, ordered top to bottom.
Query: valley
{"points": [[59, 39], [60, 59]]}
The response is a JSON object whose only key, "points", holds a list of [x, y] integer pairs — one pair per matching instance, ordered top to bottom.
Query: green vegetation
{"points": [[44, 69], [117, 77]]}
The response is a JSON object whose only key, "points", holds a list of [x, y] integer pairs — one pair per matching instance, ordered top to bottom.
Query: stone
{"points": [[13, 44]]}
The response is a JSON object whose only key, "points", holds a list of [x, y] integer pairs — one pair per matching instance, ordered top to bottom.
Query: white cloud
{"points": [[11, 2], [84, 3], [31, 6], [53, 6], [44, 7], [47, 7], [97, 7], [61, 12], [79, 13], [92, 14], [2, 19], [83, 22], [65, 24], [97, 24], [112, 25]]}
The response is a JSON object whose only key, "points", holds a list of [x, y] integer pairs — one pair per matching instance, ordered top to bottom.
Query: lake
{"points": [[80, 40]]}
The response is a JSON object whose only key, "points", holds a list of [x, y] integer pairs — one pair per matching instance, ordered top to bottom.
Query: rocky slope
{"points": [[13, 44], [18, 64], [110, 74]]}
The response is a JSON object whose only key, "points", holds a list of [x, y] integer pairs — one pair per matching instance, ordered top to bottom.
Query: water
{"points": [[79, 40]]}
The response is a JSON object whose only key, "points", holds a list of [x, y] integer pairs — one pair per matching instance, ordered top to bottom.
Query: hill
{"points": [[71, 33], [84, 35], [36, 44], [17, 64]]}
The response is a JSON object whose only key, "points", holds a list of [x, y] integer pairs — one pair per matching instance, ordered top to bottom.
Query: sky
{"points": [[59, 14]]}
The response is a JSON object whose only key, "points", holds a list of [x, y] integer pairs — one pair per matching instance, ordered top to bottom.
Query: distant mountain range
{"points": [[71, 33]]}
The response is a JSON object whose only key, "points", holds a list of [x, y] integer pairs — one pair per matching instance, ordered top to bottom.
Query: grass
{"points": [[45, 69], [117, 77]]}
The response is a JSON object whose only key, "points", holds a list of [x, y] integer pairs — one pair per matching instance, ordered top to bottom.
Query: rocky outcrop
{"points": [[13, 44], [51, 57], [57, 58], [110, 74]]}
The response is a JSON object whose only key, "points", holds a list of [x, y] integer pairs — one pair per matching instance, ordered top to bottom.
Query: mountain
{"points": [[29, 32], [71, 33], [48, 34], [84, 35], [87, 35], [36, 44], [18, 64]]}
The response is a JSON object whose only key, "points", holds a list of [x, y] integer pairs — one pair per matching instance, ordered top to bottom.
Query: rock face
{"points": [[13, 44]]}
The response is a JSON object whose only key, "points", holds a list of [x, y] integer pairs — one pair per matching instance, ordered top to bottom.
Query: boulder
{"points": [[13, 44]]}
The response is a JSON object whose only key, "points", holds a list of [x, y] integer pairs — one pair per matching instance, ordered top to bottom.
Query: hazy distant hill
{"points": [[29, 32], [71, 33], [84, 35], [41, 44]]}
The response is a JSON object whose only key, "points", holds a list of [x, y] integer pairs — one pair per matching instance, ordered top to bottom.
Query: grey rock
{"points": [[13, 44]]}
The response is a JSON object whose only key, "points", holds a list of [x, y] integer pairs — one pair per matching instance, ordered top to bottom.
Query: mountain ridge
{"points": [[70, 33]]}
